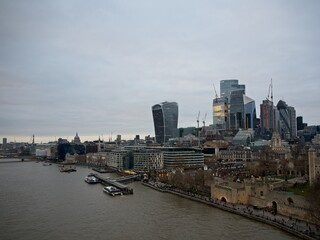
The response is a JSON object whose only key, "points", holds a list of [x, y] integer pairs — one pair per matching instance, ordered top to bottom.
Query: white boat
{"points": [[91, 179], [112, 191]]}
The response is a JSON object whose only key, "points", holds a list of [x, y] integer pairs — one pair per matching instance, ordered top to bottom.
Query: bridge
{"points": [[16, 160], [118, 182]]}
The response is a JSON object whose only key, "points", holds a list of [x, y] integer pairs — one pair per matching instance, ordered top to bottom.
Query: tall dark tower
{"points": [[165, 119], [300, 125]]}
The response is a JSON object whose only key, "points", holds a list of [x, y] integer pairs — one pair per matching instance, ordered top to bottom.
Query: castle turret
{"points": [[312, 165]]}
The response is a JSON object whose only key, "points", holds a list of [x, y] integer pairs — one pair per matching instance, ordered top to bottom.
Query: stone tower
{"points": [[312, 155]]}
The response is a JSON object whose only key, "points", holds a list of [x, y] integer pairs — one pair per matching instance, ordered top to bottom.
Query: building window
{"points": [[261, 193]]}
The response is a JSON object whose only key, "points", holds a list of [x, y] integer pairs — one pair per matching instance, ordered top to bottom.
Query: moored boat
{"points": [[68, 169], [91, 180], [112, 191]]}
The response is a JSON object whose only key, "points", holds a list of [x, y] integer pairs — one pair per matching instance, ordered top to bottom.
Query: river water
{"points": [[39, 202]]}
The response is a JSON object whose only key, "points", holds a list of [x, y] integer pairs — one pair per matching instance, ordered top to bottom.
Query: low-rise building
{"points": [[235, 154], [75, 158], [182, 158], [98, 159], [120, 159], [147, 159]]}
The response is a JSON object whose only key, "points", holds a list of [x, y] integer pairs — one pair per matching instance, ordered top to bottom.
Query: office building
{"points": [[228, 86], [220, 108], [233, 110], [236, 110], [250, 115], [165, 118], [267, 118], [288, 120], [300, 125], [182, 132], [118, 139], [4, 143], [182, 158], [120, 159], [146, 160]]}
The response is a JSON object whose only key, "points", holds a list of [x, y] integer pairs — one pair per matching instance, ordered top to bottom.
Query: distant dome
{"points": [[76, 139]]}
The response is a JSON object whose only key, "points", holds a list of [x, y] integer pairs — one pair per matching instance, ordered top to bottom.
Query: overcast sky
{"points": [[97, 67]]}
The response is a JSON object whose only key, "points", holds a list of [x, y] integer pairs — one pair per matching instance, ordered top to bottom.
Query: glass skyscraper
{"points": [[228, 86], [233, 110], [236, 110], [220, 113], [165, 119], [250, 120], [288, 120]]}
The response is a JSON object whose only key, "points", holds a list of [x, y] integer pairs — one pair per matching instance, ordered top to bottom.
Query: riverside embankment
{"points": [[296, 227]]}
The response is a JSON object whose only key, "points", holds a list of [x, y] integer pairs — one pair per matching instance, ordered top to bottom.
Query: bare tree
{"points": [[177, 179], [313, 197]]}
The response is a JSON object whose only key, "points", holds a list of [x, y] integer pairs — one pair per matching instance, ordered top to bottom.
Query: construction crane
{"points": [[215, 91], [270, 92], [198, 119], [204, 120]]}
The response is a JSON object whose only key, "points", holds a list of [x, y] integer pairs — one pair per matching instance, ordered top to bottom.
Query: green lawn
{"points": [[283, 177], [299, 188]]}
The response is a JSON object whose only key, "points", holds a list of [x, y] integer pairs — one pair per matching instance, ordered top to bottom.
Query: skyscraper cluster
{"points": [[234, 110], [231, 111]]}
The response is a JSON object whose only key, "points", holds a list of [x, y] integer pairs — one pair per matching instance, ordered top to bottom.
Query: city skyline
{"points": [[71, 66]]}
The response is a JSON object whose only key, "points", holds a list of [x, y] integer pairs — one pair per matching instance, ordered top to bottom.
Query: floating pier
{"points": [[116, 182]]}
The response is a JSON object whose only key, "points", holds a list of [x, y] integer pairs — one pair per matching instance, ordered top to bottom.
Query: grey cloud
{"points": [[69, 66]]}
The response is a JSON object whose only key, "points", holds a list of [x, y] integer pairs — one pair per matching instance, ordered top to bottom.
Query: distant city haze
{"points": [[97, 68]]}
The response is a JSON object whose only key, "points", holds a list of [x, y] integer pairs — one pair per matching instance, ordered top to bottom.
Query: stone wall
{"points": [[232, 194], [260, 196]]}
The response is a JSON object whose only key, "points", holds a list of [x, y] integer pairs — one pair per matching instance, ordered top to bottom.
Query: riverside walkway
{"points": [[296, 227]]}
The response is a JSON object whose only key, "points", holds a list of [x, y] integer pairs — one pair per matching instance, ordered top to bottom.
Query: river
{"points": [[39, 202]]}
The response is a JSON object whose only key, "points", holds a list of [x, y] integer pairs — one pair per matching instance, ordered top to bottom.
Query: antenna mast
{"points": [[271, 91]]}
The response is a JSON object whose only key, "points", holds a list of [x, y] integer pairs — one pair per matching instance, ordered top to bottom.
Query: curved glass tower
{"points": [[165, 119], [288, 120]]}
